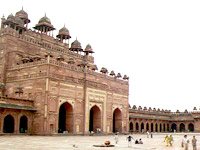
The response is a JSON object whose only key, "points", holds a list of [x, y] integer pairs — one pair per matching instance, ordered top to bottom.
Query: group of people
{"points": [[129, 138], [169, 140], [185, 143]]}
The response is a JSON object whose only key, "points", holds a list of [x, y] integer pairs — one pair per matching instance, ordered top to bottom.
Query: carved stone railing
{"points": [[69, 67]]}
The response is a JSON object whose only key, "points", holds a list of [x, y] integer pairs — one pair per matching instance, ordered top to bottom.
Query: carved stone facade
{"points": [[48, 87]]}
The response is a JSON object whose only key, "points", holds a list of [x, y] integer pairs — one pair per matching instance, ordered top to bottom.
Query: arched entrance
{"points": [[65, 118], [95, 119], [117, 120], [23, 124], [8, 126], [131, 127], [136, 127], [142, 127], [147, 127], [152, 127], [156, 127], [160, 127], [168, 127], [174, 127], [182, 127], [191, 127], [164, 128]]}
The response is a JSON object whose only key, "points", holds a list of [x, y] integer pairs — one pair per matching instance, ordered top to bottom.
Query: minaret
{"points": [[2, 21]]}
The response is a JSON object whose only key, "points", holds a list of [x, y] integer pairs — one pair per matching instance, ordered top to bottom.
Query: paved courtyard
{"points": [[86, 142]]}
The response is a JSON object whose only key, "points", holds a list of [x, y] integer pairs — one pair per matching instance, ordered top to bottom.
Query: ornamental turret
{"points": [[23, 16], [44, 25], [63, 34], [76, 46]]}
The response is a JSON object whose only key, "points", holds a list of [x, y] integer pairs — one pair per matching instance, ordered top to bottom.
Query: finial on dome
{"points": [[22, 8], [45, 14]]}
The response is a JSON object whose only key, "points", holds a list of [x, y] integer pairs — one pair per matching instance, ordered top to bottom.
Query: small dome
{"points": [[22, 14], [11, 17], [45, 19], [19, 21], [64, 32], [76, 45], [88, 49], [94, 67], [104, 70], [112, 73], [119, 75], [125, 77]]}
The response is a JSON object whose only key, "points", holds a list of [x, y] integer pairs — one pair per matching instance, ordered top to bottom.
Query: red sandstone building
{"points": [[49, 87]]}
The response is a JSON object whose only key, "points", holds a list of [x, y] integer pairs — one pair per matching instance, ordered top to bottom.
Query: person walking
{"points": [[147, 134], [116, 138], [129, 138], [166, 140], [171, 140], [185, 142], [194, 143]]}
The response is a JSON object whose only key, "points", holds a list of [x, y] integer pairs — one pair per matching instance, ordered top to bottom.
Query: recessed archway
{"points": [[65, 118], [95, 119], [117, 120], [23, 124], [8, 126], [136, 126], [131, 127], [142, 127], [147, 127], [152, 127], [156, 127], [160, 127], [164, 127], [174, 127], [182, 127], [191, 127]]}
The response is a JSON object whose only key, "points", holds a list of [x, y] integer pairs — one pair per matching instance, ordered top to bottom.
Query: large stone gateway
{"points": [[50, 87]]}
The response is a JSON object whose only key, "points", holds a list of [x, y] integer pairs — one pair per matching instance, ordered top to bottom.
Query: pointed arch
{"points": [[95, 119], [117, 120], [65, 122], [8, 126], [137, 126], [147, 126], [23, 127], [131, 127], [142, 127], [152, 127], [160, 127], [174, 127], [182, 127], [191, 127]]}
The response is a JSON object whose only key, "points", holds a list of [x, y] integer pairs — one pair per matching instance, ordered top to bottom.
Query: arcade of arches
{"points": [[66, 119], [16, 123], [159, 126]]}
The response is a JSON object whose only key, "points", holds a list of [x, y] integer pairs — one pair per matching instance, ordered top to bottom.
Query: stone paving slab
{"points": [[19, 142]]}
